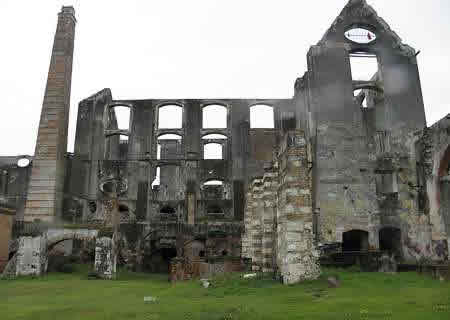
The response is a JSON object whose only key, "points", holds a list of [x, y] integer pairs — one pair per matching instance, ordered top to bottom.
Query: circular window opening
{"points": [[360, 35], [24, 162]]}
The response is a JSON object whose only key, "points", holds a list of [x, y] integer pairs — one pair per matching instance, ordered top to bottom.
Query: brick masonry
{"points": [[45, 189]]}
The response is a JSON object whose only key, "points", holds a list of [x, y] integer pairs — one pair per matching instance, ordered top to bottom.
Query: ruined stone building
{"points": [[348, 160]]}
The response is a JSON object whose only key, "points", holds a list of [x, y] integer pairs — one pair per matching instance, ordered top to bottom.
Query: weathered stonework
{"points": [[333, 171], [269, 218], [31, 256], [297, 256], [105, 264]]}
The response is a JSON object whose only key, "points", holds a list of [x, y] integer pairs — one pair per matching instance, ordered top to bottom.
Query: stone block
{"points": [[31, 256], [105, 264]]}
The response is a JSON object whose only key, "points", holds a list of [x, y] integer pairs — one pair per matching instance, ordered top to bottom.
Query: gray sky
{"points": [[191, 49]]}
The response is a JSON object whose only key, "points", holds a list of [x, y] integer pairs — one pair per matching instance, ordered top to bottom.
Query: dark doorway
{"points": [[168, 210], [355, 240], [391, 240], [159, 261]]}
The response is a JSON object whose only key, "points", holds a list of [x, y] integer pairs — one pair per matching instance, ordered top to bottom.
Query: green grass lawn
{"points": [[361, 296]]}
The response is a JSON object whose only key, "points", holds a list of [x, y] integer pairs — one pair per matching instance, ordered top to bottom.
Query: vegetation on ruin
{"points": [[360, 296]]}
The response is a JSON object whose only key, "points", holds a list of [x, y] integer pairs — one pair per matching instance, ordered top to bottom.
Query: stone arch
{"points": [[262, 115], [170, 116], [214, 116], [71, 235], [355, 240]]}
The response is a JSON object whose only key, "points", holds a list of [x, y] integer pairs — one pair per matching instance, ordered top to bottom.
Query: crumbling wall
{"points": [[435, 147], [268, 218], [256, 225], [31, 256], [297, 256], [104, 264]]}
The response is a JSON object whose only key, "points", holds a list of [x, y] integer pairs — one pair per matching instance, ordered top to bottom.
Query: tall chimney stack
{"points": [[45, 189]]}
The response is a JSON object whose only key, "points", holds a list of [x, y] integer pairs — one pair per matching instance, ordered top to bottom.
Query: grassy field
{"points": [[361, 296]]}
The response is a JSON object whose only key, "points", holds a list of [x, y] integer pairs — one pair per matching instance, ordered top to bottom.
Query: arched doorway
{"points": [[355, 240], [391, 240]]}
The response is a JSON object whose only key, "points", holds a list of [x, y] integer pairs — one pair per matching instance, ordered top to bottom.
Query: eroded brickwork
{"points": [[45, 190]]}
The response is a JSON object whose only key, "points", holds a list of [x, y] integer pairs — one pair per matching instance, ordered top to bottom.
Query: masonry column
{"points": [[270, 183], [44, 200], [256, 227], [296, 255]]}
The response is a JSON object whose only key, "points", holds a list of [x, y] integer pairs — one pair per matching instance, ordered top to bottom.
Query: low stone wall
{"points": [[31, 257], [105, 264], [183, 269]]}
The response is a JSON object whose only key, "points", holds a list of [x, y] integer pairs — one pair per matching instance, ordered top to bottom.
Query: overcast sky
{"points": [[191, 49]]}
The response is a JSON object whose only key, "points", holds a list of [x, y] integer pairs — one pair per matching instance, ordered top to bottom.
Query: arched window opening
{"points": [[360, 35], [364, 66], [121, 115], [214, 116], [261, 116], [170, 117], [169, 136], [214, 136], [170, 146], [116, 147], [212, 151], [23, 162], [157, 180], [213, 183], [123, 208], [167, 210], [355, 240], [224, 252], [201, 253]]}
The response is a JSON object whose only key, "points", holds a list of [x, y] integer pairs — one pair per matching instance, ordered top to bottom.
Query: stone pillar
{"points": [[270, 184], [45, 188], [191, 208], [257, 212], [6, 222], [247, 247], [31, 256], [297, 256], [105, 264]]}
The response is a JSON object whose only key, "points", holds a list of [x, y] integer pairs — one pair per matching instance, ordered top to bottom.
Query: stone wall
{"points": [[268, 218], [279, 218], [256, 226], [31, 257], [297, 257], [104, 264]]}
